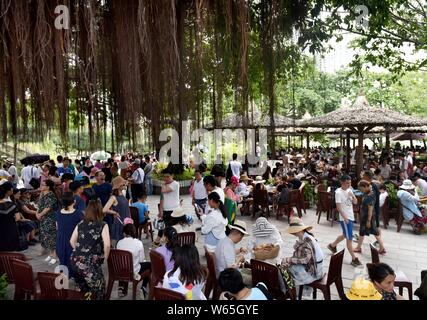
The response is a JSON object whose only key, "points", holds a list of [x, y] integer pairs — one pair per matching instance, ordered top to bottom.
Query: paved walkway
{"points": [[405, 251]]}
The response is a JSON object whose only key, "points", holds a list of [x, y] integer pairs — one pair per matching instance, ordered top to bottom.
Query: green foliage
{"points": [[188, 174], [309, 194], [392, 194], [3, 287]]}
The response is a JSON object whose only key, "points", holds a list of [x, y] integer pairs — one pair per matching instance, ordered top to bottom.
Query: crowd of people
{"points": [[82, 211]]}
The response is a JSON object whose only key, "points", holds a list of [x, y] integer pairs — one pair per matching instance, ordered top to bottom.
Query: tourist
{"points": [[123, 164], [410, 164], [235, 166], [65, 168], [87, 168], [11, 169], [107, 170], [114, 170], [385, 170], [28, 173], [148, 174], [44, 175], [52, 176], [368, 176], [66, 179], [137, 181], [294, 183], [421, 184], [211, 186], [230, 188], [242, 188], [77, 189], [103, 191], [170, 192], [199, 194], [383, 194], [344, 199], [409, 201], [47, 206], [118, 207], [143, 212], [67, 219], [181, 222], [214, 223], [368, 224], [26, 226], [9, 238], [170, 240], [266, 242], [91, 243], [226, 255], [306, 263], [140, 265], [187, 276], [383, 277], [232, 286], [362, 289]]}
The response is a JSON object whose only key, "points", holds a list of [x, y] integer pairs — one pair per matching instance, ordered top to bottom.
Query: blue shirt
{"points": [[63, 170], [103, 192], [80, 204], [409, 205], [142, 209]]}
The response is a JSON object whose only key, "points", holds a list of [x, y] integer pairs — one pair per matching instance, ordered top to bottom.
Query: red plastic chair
{"points": [[134, 213], [186, 238], [6, 265], [120, 268], [158, 270], [269, 275], [334, 275], [24, 280], [212, 282], [48, 290], [167, 294]]}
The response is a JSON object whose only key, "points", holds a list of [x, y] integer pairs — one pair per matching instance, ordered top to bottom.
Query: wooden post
{"points": [[387, 139], [308, 145], [348, 154], [359, 158]]}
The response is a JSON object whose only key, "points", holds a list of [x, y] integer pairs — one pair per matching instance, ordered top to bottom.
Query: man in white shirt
{"points": [[236, 166], [385, 169], [13, 172], [28, 173], [137, 181], [420, 183], [210, 184], [199, 195], [345, 199], [170, 201], [226, 253]]}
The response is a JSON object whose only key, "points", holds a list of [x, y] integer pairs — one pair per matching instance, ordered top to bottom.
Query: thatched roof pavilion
{"points": [[361, 118]]}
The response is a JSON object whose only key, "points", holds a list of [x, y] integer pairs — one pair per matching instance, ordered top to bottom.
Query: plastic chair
{"points": [[260, 200], [294, 202], [326, 204], [385, 212], [134, 213], [399, 218], [186, 238], [6, 265], [120, 268], [158, 270], [269, 275], [334, 275], [24, 280], [401, 280], [211, 282], [48, 290], [167, 294]]}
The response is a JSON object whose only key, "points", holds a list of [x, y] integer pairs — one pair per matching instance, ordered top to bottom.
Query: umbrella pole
{"points": [[387, 140]]}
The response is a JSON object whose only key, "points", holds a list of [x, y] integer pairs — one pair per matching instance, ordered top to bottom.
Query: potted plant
{"points": [[308, 194]]}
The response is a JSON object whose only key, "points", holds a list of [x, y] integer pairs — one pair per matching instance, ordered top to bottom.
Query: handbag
{"points": [[159, 224], [266, 252], [287, 277]]}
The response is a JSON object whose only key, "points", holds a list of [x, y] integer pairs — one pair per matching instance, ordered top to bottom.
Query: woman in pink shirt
{"points": [[229, 189]]}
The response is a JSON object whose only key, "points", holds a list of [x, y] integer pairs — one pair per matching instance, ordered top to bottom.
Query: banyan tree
{"points": [[123, 66]]}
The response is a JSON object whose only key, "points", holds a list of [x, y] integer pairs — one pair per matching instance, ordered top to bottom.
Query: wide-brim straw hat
{"points": [[244, 177], [259, 179], [118, 182], [407, 185], [178, 212], [297, 225], [240, 226], [362, 289]]}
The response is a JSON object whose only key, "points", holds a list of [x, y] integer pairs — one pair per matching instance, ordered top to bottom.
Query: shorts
{"points": [[347, 229]]}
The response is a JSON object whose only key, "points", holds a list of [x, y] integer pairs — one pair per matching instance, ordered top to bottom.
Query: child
{"points": [[143, 211]]}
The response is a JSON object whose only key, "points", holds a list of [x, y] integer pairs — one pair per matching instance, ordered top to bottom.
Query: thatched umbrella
{"points": [[362, 118]]}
